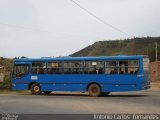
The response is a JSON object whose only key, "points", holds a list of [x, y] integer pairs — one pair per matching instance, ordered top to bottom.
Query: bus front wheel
{"points": [[35, 89], [94, 90]]}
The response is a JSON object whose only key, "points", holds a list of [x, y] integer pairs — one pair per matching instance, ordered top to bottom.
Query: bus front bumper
{"points": [[19, 86]]}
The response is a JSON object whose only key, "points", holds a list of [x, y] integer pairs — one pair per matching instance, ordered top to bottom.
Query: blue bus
{"points": [[95, 75]]}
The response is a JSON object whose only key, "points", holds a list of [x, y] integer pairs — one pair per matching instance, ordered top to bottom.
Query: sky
{"points": [[47, 28]]}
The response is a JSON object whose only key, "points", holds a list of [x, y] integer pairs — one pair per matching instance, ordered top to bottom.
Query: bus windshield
{"points": [[20, 70]]}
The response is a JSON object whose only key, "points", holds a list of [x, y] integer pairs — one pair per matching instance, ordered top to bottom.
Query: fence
{"points": [[155, 71]]}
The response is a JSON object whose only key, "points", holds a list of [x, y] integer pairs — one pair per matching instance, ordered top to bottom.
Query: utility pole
{"points": [[156, 61]]}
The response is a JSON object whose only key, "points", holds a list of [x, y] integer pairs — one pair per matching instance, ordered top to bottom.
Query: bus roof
{"points": [[120, 57]]}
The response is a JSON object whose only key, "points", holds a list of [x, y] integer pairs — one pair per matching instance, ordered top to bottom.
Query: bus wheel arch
{"points": [[35, 88], [94, 89]]}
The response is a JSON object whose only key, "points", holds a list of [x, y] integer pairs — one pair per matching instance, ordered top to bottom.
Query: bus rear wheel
{"points": [[35, 89], [94, 90], [47, 92]]}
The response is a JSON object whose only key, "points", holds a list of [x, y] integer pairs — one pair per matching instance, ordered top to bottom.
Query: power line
{"points": [[99, 19], [39, 30]]}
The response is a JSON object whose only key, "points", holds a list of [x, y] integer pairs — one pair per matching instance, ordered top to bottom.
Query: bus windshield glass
{"points": [[20, 70]]}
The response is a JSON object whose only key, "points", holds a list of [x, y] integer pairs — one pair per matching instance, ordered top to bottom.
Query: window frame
{"points": [[115, 67], [127, 67], [36, 68], [47, 68], [80, 68], [97, 68], [84, 69]]}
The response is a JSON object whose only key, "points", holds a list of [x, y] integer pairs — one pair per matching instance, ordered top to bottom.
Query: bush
{"points": [[6, 83]]}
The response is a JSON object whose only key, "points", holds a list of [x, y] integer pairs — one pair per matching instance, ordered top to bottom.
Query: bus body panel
{"points": [[79, 82]]}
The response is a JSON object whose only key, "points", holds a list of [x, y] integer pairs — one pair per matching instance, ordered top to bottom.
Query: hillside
{"points": [[136, 46]]}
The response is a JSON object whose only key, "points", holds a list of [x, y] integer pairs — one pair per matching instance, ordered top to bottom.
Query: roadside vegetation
{"points": [[6, 63]]}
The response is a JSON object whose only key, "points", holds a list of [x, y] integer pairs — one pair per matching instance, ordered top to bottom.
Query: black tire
{"points": [[35, 89], [94, 90], [47, 92], [105, 93]]}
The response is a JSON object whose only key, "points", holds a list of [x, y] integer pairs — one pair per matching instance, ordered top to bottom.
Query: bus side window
{"points": [[73, 67], [94, 67], [110, 67], [123, 67], [128, 67], [38, 68], [54, 68], [41, 71], [100, 71]]}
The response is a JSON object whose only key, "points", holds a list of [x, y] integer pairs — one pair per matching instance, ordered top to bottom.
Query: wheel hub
{"points": [[36, 89], [94, 89]]}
